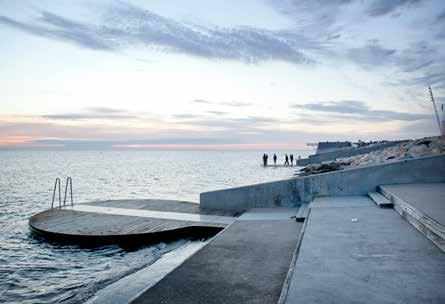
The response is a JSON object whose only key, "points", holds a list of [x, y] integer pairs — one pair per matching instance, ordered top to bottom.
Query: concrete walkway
{"points": [[269, 214], [355, 252], [246, 263]]}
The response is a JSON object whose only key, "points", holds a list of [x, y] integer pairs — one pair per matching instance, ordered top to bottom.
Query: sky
{"points": [[220, 74]]}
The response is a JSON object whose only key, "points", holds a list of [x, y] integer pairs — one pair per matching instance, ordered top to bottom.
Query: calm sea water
{"points": [[33, 271]]}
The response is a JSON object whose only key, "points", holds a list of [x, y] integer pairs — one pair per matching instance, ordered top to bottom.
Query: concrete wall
{"points": [[318, 158], [356, 181]]}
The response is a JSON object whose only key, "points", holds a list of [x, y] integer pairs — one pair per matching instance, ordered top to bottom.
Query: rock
{"points": [[423, 142], [409, 149], [418, 150], [322, 168]]}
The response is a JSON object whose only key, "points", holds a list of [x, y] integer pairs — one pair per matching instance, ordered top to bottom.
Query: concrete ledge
{"points": [[318, 158], [356, 181], [427, 220]]}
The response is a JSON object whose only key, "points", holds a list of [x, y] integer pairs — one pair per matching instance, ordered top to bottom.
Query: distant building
{"points": [[327, 146]]}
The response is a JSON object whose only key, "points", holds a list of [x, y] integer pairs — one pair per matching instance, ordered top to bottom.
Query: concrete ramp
{"points": [[355, 252], [248, 262]]}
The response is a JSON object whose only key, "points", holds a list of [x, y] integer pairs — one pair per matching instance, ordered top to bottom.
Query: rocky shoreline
{"points": [[427, 146]]}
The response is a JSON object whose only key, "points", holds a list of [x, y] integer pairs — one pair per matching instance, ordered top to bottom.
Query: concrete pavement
{"points": [[355, 252], [246, 263]]}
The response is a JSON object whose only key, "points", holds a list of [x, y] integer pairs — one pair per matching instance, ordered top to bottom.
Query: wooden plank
{"points": [[162, 205]]}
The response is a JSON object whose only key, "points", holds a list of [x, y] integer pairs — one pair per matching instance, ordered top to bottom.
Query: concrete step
{"points": [[380, 200], [422, 205], [302, 212]]}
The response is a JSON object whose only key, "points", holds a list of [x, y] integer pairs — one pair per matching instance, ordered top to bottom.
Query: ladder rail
{"points": [[69, 181], [57, 183]]}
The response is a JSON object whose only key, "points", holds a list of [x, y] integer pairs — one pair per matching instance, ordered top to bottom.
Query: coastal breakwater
{"points": [[346, 152], [355, 181]]}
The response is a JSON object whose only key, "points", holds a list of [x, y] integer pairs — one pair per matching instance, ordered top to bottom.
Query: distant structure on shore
{"points": [[328, 146], [332, 146]]}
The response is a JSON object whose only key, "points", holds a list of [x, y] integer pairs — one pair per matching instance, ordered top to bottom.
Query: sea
{"points": [[35, 271]]}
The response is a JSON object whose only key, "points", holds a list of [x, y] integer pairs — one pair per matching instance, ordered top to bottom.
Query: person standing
{"points": [[264, 159], [275, 159], [291, 159], [286, 160]]}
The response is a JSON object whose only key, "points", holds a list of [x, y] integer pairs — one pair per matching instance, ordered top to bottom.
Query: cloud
{"points": [[378, 8], [322, 13], [441, 16], [126, 25], [58, 28], [372, 54], [418, 56], [413, 62], [420, 64], [424, 64], [436, 79], [202, 101], [224, 103], [236, 104], [106, 110], [358, 110], [217, 112], [101, 113], [87, 116], [187, 116], [251, 124], [420, 128], [183, 129], [30, 131], [198, 132], [107, 144]]}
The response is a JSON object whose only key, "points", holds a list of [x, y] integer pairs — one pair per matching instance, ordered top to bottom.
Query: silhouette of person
{"points": [[267, 156], [264, 159], [275, 159], [291, 159], [286, 161]]}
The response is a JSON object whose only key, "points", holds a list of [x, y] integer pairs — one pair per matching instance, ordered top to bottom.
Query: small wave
{"points": [[140, 259]]}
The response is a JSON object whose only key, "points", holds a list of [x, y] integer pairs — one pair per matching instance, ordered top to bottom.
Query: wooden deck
{"points": [[68, 224]]}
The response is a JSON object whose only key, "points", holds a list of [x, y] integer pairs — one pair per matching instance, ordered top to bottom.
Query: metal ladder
{"points": [[69, 181]]}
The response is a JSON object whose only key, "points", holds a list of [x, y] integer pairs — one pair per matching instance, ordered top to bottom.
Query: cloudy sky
{"points": [[218, 74]]}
